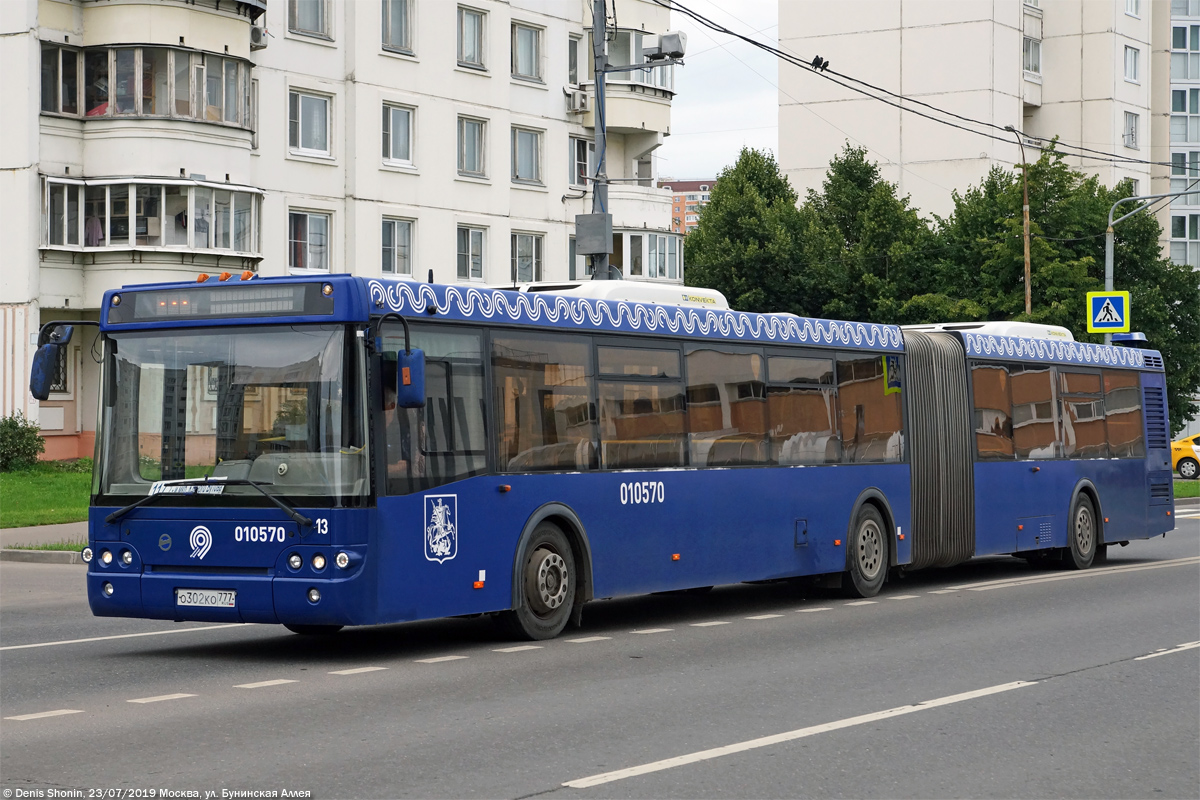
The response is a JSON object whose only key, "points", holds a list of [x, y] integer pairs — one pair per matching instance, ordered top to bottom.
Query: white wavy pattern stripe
{"points": [[539, 308], [984, 346]]}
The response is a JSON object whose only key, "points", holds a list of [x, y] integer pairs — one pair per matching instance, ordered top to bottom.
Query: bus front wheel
{"points": [[1081, 550], [868, 553], [547, 585]]}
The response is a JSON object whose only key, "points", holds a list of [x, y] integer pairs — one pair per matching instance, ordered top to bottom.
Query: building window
{"points": [[1034, 3], [1133, 8], [1185, 8], [308, 17], [396, 26], [470, 37], [573, 46], [625, 49], [526, 52], [1031, 55], [1131, 63], [1185, 65], [1185, 121], [308, 123], [1130, 133], [397, 134], [471, 147], [526, 155], [583, 161], [179, 214], [1185, 239], [308, 240], [397, 246], [470, 253], [526, 257], [665, 258], [60, 382]]}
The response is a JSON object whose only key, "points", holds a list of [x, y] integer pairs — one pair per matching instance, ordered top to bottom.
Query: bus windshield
{"points": [[280, 406]]}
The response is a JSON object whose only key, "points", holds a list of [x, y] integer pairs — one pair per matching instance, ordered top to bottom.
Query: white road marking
{"points": [[1187, 516], [1008, 583], [944, 591], [904, 597], [862, 603], [810, 610], [765, 616], [708, 624], [653, 630], [124, 636], [587, 639], [521, 648], [1180, 649], [439, 659], [356, 670], [264, 684], [160, 698], [44, 714], [767, 741]]}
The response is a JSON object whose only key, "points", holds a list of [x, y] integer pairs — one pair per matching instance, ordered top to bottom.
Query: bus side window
{"points": [[641, 408], [727, 408], [801, 411], [993, 412], [1123, 412], [1035, 413], [870, 416], [1083, 431]]}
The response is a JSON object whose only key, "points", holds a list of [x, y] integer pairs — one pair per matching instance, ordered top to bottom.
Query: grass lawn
{"points": [[1187, 489], [43, 495]]}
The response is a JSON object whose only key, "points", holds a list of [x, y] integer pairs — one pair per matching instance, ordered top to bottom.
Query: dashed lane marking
{"points": [[1008, 583], [944, 591], [904, 597], [862, 603], [811, 610], [765, 616], [708, 624], [653, 630], [125, 636], [587, 639], [521, 648], [1179, 649], [439, 659], [356, 670], [264, 684], [160, 698], [43, 714], [801, 733]]}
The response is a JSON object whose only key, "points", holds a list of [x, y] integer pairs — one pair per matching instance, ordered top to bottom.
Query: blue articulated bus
{"points": [[347, 451]]}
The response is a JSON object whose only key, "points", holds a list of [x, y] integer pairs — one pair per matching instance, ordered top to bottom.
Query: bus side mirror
{"points": [[45, 360], [410, 379]]}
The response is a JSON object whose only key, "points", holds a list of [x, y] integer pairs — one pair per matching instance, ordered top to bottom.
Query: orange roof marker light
{"points": [[247, 274], [224, 276], [202, 277]]}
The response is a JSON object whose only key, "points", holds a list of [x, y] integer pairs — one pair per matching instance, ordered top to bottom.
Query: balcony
{"points": [[249, 8]]}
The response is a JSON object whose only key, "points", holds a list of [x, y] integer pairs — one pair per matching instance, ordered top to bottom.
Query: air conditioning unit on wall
{"points": [[258, 37], [578, 102]]}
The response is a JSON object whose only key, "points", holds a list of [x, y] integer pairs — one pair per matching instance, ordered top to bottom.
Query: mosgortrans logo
{"points": [[201, 541]]}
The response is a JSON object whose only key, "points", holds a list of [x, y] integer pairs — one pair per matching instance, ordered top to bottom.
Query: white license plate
{"points": [[212, 598]]}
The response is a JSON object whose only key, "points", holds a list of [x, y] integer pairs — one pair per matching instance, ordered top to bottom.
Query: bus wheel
{"points": [[1081, 549], [868, 553], [547, 585], [314, 630]]}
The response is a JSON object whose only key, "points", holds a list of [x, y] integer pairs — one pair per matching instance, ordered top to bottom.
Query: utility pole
{"points": [[1025, 214], [600, 266]]}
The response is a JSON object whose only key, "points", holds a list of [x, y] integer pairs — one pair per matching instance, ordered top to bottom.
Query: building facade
{"points": [[151, 140], [687, 200]]}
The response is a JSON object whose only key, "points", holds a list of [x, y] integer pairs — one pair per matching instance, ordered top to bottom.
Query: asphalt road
{"points": [[1046, 683]]}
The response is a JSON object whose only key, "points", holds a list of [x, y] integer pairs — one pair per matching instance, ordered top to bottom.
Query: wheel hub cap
{"points": [[1083, 530], [870, 550], [549, 574]]}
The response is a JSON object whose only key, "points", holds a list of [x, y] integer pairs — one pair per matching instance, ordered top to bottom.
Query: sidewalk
{"points": [[44, 534]]}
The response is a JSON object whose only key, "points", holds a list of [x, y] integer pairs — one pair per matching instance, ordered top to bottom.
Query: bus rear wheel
{"points": [[1082, 545], [868, 553], [547, 585], [314, 630]]}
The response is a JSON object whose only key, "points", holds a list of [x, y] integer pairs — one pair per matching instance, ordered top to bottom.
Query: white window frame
{"points": [[1133, 8], [293, 20], [385, 23], [538, 34], [575, 43], [481, 44], [1031, 55], [1133, 57], [388, 119], [1129, 130], [539, 137], [296, 146], [462, 153], [573, 162], [310, 213], [475, 234], [538, 240], [396, 265]]}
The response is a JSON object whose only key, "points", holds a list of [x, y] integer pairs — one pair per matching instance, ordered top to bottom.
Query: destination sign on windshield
{"points": [[214, 302]]}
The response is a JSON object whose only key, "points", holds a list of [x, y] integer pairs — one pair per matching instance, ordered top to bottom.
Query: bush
{"points": [[20, 443], [78, 465]]}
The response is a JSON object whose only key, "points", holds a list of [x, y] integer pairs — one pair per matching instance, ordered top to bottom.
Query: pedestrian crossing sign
{"points": [[1108, 312]]}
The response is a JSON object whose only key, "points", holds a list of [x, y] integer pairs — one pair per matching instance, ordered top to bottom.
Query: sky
{"points": [[726, 96]]}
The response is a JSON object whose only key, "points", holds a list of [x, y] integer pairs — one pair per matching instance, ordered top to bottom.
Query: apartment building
{"points": [[151, 140], [687, 199]]}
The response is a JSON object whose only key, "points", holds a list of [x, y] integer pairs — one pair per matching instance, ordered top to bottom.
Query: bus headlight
{"points": [[86, 555], [106, 557], [126, 557], [342, 560], [295, 561], [318, 562], [107, 589], [314, 595]]}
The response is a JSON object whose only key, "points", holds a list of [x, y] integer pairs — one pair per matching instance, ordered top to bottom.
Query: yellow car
{"points": [[1185, 456]]}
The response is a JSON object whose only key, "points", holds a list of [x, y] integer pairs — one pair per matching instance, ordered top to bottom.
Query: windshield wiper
{"points": [[299, 518]]}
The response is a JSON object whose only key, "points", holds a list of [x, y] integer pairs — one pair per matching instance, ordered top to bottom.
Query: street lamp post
{"points": [[1025, 214]]}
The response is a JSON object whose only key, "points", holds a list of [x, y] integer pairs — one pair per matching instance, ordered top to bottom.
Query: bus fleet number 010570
{"points": [[640, 492], [259, 533]]}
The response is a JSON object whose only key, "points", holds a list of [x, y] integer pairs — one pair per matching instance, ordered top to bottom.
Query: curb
{"points": [[42, 556]]}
